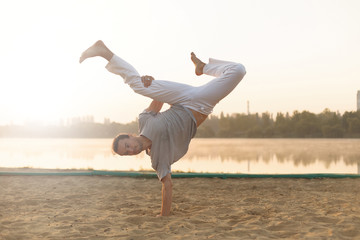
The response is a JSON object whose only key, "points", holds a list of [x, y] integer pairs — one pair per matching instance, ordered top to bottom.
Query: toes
{"points": [[194, 58]]}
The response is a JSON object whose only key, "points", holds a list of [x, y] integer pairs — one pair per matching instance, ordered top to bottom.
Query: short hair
{"points": [[116, 140]]}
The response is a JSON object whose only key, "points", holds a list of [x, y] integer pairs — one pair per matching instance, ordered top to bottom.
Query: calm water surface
{"points": [[253, 156]]}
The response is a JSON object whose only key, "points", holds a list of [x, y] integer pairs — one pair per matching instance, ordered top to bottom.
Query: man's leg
{"points": [[99, 49], [228, 75], [159, 90], [162, 91], [201, 99]]}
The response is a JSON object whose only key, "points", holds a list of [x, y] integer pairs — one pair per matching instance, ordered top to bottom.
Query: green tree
{"points": [[307, 125]]}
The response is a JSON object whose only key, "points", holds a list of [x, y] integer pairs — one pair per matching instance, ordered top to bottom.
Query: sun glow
{"points": [[298, 57], [39, 76], [38, 87]]}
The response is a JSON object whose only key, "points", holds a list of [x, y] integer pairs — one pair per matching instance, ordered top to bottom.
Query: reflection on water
{"points": [[205, 155], [281, 155]]}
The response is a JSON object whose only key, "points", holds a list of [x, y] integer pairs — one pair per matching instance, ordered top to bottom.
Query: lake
{"points": [[249, 156]]}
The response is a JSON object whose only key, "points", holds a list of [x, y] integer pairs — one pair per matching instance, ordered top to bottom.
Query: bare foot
{"points": [[98, 49], [199, 65]]}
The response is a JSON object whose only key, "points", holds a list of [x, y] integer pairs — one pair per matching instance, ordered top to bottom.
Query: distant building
{"points": [[358, 100], [79, 120], [106, 121]]}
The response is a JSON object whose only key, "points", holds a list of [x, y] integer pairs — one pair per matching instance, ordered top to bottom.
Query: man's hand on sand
{"points": [[147, 80]]}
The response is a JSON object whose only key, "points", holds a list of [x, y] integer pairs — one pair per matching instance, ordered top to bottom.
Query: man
{"points": [[166, 136]]}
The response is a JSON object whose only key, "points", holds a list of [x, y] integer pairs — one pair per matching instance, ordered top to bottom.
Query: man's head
{"points": [[126, 144]]}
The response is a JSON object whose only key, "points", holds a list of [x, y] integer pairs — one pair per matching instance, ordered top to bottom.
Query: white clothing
{"points": [[201, 99]]}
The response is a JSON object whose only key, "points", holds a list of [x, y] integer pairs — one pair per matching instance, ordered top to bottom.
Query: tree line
{"points": [[304, 124], [77, 130]]}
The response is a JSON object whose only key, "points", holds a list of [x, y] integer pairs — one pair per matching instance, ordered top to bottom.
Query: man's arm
{"points": [[147, 80], [155, 106], [166, 191], [166, 194]]}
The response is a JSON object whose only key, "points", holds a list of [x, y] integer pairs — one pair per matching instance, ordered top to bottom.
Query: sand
{"points": [[101, 207]]}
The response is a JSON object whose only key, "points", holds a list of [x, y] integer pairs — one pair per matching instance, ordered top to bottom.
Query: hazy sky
{"points": [[299, 55]]}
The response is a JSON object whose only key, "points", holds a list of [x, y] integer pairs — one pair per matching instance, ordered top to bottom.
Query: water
{"points": [[251, 156]]}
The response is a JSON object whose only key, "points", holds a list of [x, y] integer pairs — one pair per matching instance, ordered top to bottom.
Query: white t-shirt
{"points": [[170, 133]]}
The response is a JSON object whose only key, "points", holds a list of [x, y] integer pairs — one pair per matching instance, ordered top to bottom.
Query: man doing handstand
{"points": [[166, 136]]}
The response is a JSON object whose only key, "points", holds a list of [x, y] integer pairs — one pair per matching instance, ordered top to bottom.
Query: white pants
{"points": [[201, 99]]}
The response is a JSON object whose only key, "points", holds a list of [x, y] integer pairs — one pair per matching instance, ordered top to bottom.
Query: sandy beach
{"points": [[102, 207]]}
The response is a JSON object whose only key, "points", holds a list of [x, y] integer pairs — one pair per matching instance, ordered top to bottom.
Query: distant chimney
{"points": [[358, 100]]}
